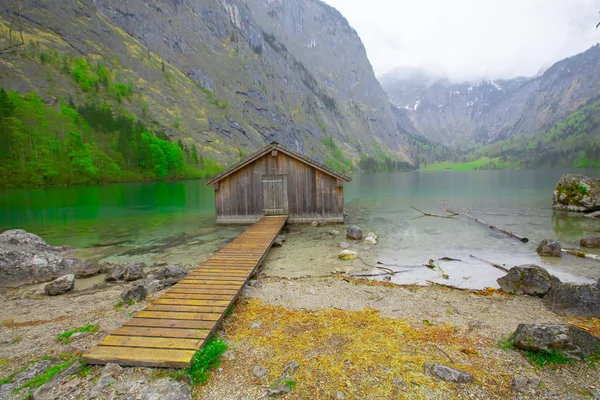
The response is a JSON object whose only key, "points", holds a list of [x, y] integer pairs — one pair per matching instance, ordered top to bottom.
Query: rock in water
{"points": [[577, 193], [354, 233], [371, 238], [590, 241], [278, 242], [345, 245], [549, 247], [347, 255], [134, 271], [174, 273], [526, 279], [60, 285], [136, 293], [575, 300], [564, 338], [447, 373], [166, 389]]}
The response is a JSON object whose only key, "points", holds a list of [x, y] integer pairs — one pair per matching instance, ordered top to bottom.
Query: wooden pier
{"points": [[169, 331]]}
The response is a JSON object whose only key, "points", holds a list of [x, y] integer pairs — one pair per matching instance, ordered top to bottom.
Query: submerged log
{"points": [[426, 214], [497, 228], [581, 254], [491, 263]]}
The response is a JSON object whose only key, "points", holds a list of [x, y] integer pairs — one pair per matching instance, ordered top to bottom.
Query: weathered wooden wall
{"points": [[312, 195]]}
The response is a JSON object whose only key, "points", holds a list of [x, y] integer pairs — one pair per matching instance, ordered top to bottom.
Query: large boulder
{"points": [[577, 193], [354, 233], [590, 242], [550, 248], [25, 258], [80, 268], [134, 271], [115, 273], [526, 279], [60, 285], [575, 300], [564, 338]]}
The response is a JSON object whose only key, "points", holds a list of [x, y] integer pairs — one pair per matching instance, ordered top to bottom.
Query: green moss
{"points": [[65, 337], [546, 358], [41, 379]]}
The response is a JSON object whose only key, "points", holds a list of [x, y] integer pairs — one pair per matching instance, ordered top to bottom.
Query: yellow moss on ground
{"points": [[357, 352]]}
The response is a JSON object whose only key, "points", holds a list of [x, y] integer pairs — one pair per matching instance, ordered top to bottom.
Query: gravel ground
{"points": [[297, 277]]}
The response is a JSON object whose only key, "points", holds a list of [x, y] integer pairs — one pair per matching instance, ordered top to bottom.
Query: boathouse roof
{"points": [[276, 146]]}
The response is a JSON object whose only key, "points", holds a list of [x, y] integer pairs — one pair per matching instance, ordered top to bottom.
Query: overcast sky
{"points": [[472, 39]]}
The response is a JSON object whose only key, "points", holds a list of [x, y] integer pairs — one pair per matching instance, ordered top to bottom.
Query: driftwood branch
{"points": [[426, 214], [501, 230], [581, 254], [493, 264], [388, 270], [445, 285], [446, 354]]}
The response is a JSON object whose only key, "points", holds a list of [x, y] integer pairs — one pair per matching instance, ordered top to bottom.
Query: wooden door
{"points": [[275, 198]]}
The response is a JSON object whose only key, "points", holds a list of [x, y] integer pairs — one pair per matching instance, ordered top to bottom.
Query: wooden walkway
{"points": [[172, 328]]}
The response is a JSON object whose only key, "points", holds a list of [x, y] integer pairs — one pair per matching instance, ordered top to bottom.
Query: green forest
{"points": [[92, 143]]}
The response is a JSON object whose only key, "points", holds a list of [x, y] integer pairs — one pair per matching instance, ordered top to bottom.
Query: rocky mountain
{"points": [[224, 76], [475, 113]]}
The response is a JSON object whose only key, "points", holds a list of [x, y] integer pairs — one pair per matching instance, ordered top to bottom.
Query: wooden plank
{"points": [[217, 277], [221, 282], [195, 285], [200, 290], [198, 296], [185, 302], [179, 308], [179, 315], [169, 323], [161, 332], [151, 343], [132, 356]]}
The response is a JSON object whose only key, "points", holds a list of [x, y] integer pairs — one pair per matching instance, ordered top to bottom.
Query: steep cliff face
{"points": [[226, 75], [458, 114]]}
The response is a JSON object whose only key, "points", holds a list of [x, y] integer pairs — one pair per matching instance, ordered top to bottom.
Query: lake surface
{"points": [[175, 221]]}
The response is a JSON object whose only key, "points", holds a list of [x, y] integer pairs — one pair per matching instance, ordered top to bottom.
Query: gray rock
{"points": [[577, 193], [314, 223], [334, 232], [354, 233], [278, 242], [590, 242], [345, 245], [550, 248], [25, 259], [106, 267], [88, 270], [134, 271], [115, 273], [174, 273], [526, 279], [60, 285], [153, 285], [135, 293], [575, 300], [79, 335], [564, 338], [290, 368], [112, 369], [33, 370], [260, 372], [447, 373], [103, 382], [399, 382], [522, 384], [166, 389], [278, 390], [7, 391], [41, 392], [596, 394], [339, 395]]}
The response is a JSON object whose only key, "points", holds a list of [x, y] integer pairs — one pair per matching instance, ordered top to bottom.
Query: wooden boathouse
{"points": [[278, 181]]}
